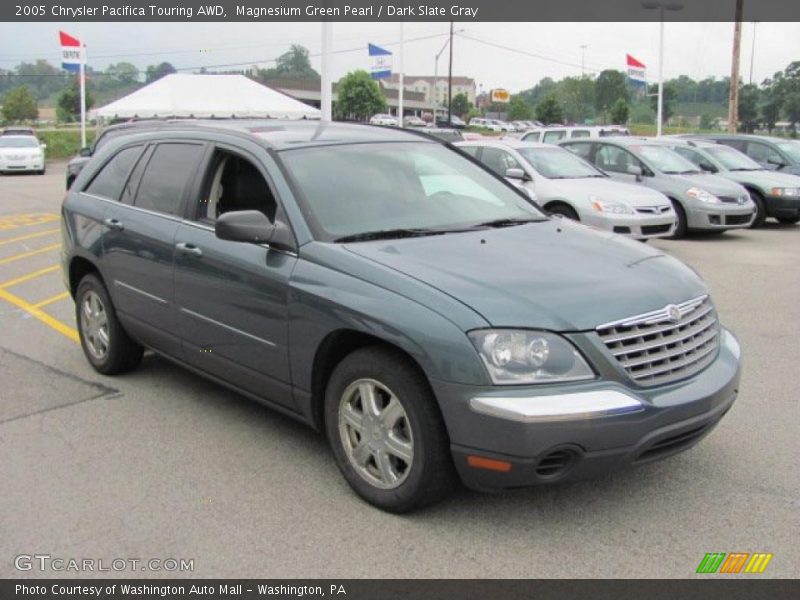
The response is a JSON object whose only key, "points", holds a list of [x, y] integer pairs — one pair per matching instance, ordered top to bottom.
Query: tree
{"points": [[293, 64], [156, 72], [122, 74], [610, 86], [576, 95], [358, 96], [461, 104], [771, 104], [20, 105], [68, 105], [668, 107], [748, 107], [518, 109], [549, 111], [620, 112], [706, 121]]}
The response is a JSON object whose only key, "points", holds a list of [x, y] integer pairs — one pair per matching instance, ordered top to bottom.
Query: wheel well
{"points": [[750, 189], [552, 203], [78, 269], [333, 349]]}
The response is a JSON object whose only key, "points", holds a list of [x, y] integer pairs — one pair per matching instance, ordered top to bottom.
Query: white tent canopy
{"points": [[206, 96]]}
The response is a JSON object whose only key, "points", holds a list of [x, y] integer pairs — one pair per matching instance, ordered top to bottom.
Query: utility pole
{"points": [[753, 51], [583, 59], [450, 82], [733, 97]]}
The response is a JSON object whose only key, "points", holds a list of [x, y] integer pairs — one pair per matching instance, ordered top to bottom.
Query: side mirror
{"points": [[43, 146], [86, 152], [708, 167], [635, 170], [515, 173], [251, 226]]}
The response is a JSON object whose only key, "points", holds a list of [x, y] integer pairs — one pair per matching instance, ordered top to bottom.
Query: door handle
{"points": [[114, 224], [188, 248]]}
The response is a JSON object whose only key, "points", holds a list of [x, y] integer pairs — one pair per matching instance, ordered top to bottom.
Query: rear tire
{"points": [[564, 210], [761, 210], [789, 220], [681, 226], [107, 346], [386, 432]]}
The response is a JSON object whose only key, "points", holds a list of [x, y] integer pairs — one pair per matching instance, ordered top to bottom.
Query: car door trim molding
{"points": [[127, 286], [228, 327]]}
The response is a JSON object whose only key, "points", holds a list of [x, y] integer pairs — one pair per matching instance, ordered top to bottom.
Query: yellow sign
{"points": [[499, 95]]}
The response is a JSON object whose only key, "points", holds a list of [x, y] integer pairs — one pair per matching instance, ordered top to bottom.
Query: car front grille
{"points": [[733, 199], [653, 210], [737, 219], [654, 229], [665, 345]]}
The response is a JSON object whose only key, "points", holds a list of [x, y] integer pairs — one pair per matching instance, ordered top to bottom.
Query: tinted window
{"points": [[580, 133], [531, 137], [551, 137], [582, 150], [762, 153], [168, 171], [109, 181]]}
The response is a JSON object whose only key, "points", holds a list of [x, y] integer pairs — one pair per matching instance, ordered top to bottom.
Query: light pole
{"points": [[661, 7], [753, 51], [436, 79]]}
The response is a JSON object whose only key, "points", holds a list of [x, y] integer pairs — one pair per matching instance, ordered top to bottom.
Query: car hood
{"points": [[17, 151], [765, 178], [719, 186], [602, 187], [554, 275]]}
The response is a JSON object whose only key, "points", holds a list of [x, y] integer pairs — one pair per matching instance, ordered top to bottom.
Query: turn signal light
{"points": [[479, 462]]}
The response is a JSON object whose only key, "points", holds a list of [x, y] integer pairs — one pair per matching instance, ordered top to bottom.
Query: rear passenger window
{"points": [[580, 133], [551, 137], [582, 150], [169, 170], [109, 181]]}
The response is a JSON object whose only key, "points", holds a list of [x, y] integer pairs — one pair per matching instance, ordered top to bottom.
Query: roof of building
{"points": [[457, 79]]}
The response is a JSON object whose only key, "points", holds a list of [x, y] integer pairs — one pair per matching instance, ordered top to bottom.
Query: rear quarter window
{"points": [[110, 180]]}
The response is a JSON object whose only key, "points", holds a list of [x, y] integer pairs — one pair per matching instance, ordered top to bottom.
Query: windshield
{"points": [[20, 142], [790, 148], [732, 159], [665, 160], [557, 163], [359, 188]]}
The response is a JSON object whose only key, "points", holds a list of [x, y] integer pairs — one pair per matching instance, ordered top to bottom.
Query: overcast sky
{"points": [[695, 49]]}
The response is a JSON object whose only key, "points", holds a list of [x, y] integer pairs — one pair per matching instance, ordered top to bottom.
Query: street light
{"points": [[661, 7]]}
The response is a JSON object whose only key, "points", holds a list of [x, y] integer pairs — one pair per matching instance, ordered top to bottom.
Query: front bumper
{"points": [[10, 166], [783, 206], [701, 215], [637, 226], [581, 430]]}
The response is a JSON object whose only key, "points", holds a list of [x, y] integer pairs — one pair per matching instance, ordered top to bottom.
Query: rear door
{"points": [[138, 244], [232, 297]]}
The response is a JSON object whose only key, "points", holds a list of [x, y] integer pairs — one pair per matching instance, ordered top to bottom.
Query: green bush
{"points": [[63, 143]]}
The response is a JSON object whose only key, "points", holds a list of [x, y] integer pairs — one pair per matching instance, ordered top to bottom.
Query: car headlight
{"points": [[785, 191], [702, 195], [605, 206], [514, 356]]}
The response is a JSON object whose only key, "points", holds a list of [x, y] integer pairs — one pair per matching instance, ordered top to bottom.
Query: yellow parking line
{"points": [[26, 220], [29, 236], [31, 253], [29, 276], [52, 299], [31, 309]]}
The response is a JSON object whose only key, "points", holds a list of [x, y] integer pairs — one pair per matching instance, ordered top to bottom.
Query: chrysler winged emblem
{"points": [[673, 312]]}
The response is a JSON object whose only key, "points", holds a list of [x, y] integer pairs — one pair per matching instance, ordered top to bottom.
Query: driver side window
{"points": [[762, 153], [498, 160], [234, 183]]}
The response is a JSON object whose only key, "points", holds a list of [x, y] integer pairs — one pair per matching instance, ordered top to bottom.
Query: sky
{"points": [[530, 51]]}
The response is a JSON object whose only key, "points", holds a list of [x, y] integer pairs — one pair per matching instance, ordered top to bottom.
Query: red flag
{"points": [[632, 62]]}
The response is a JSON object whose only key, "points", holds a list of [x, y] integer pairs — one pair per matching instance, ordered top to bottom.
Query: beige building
{"points": [[433, 92]]}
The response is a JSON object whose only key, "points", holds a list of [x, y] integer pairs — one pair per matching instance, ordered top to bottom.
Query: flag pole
{"points": [[82, 75], [402, 83], [326, 99]]}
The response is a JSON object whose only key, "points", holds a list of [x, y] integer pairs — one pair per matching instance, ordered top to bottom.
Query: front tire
{"points": [[761, 210], [681, 226], [107, 346], [386, 431]]}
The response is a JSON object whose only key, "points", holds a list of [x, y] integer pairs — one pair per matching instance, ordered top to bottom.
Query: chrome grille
{"points": [[653, 210], [667, 344]]}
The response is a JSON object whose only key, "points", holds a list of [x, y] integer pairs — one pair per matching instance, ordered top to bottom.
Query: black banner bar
{"points": [[393, 10], [713, 588]]}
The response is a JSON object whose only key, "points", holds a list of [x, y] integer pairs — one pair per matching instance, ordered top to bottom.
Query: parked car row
{"points": [[498, 125], [403, 297]]}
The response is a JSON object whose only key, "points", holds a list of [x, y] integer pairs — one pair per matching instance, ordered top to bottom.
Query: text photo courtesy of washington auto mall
{"points": [[465, 299]]}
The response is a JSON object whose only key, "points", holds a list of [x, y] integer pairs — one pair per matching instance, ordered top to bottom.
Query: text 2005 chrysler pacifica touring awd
{"points": [[391, 291]]}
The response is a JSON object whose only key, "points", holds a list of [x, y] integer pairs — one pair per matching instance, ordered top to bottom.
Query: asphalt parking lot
{"points": [[161, 464]]}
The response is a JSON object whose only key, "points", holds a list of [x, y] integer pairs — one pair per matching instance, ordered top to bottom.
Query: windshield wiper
{"points": [[745, 169], [509, 222], [387, 234]]}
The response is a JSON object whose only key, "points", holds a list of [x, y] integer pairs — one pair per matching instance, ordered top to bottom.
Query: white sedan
{"points": [[383, 119], [21, 153]]}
